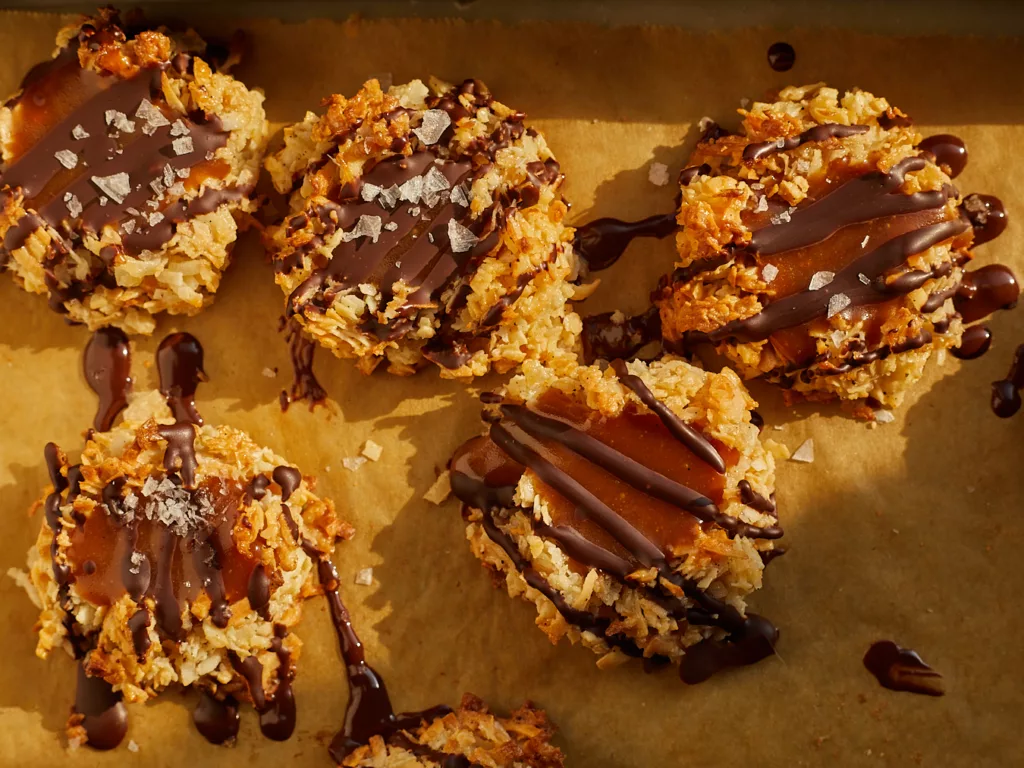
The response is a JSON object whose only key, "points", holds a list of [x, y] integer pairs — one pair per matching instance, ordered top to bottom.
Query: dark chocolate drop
{"points": [[781, 56], [949, 152], [987, 216], [985, 290], [975, 342], [179, 360], [1006, 392], [901, 669], [104, 716], [216, 720]]}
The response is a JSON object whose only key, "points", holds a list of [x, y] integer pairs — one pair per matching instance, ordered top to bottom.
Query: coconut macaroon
{"points": [[128, 168], [425, 224], [821, 248], [632, 504], [177, 553], [470, 735]]}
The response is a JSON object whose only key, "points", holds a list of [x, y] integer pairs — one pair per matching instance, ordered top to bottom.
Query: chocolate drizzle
{"points": [[781, 56], [63, 116], [824, 132], [949, 152], [987, 216], [603, 241], [984, 291], [604, 338], [974, 343], [179, 360], [107, 364], [305, 385], [1006, 392], [484, 476], [901, 669], [103, 714], [216, 719]]}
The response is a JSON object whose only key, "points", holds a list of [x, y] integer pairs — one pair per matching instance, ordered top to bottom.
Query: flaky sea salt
{"points": [[151, 114], [119, 121], [434, 123], [178, 128], [78, 133], [183, 146], [67, 158], [657, 174], [170, 177], [434, 183], [116, 187], [411, 191], [369, 192], [460, 195], [388, 196], [762, 204], [74, 205], [155, 218], [780, 218], [129, 226], [367, 226], [391, 226], [461, 238], [864, 242], [769, 272], [864, 278], [820, 280], [837, 303], [269, 372], [883, 416], [372, 450], [805, 453], [353, 463], [137, 559], [364, 577]]}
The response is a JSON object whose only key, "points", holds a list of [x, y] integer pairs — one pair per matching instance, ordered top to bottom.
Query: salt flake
{"points": [[151, 114], [434, 123], [178, 128], [78, 133], [183, 146], [67, 158], [657, 174], [433, 184], [117, 187], [411, 191], [369, 192], [460, 195], [387, 197], [762, 204], [74, 205], [129, 226], [367, 226], [391, 226], [461, 238], [864, 242], [769, 272], [864, 278], [820, 280], [837, 303], [805, 453], [353, 463], [364, 577]]}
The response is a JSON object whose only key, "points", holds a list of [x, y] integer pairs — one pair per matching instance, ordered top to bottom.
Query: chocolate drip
{"points": [[781, 56], [893, 119], [761, 150], [949, 152], [689, 174], [871, 196], [987, 216], [155, 236], [603, 241], [985, 290], [805, 306], [603, 338], [975, 342], [179, 360], [107, 364], [304, 382], [1006, 392], [757, 420], [683, 432], [180, 456], [289, 478], [256, 489], [755, 500], [206, 558], [259, 592], [168, 612], [138, 625], [754, 641], [901, 669], [103, 714], [215, 719], [277, 721]]}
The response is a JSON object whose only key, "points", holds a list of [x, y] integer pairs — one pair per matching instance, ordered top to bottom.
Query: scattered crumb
{"points": [[658, 174], [769, 272], [270, 372], [883, 416], [777, 427], [777, 449], [372, 450], [805, 453], [353, 463], [440, 490], [364, 577], [132, 746]]}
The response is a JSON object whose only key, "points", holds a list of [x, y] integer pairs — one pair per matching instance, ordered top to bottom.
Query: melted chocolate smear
{"points": [[781, 56], [824, 132], [949, 152], [987, 216], [603, 241], [985, 290], [605, 339], [975, 342], [179, 360], [107, 364], [305, 385], [1006, 392], [757, 420], [683, 432], [180, 456], [754, 500], [259, 592], [138, 625], [755, 641], [901, 669], [104, 716], [215, 719], [277, 721]]}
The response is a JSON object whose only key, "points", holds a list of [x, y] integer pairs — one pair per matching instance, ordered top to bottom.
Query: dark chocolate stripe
{"points": [[763, 149], [871, 196], [603, 241], [805, 306], [107, 365], [683, 432]]}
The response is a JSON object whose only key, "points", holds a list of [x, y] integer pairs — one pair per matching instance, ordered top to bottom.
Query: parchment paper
{"points": [[911, 531]]}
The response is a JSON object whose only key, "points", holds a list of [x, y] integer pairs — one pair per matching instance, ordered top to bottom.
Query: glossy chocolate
{"points": [[107, 364], [901, 669]]}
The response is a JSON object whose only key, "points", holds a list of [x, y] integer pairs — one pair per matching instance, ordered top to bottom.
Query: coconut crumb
{"points": [[658, 174], [270, 372], [372, 450], [805, 453], [353, 463], [440, 490], [364, 577]]}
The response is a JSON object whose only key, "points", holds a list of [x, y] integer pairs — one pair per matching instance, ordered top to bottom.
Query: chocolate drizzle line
{"points": [[824, 132], [949, 152], [603, 241], [603, 338], [179, 360], [107, 364], [305, 385], [1006, 392], [683, 432], [749, 638], [901, 669], [103, 714]]}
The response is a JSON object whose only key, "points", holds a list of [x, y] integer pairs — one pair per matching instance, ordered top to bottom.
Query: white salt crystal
{"points": [[151, 114], [434, 123], [178, 128], [78, 133], [781, 143], [182, 146], [67, 158], [183, 173], [657, 174], [169, 176], [433, 184], [157, 185], [116, 187], [177, 189], [411, 190], [369, 192], [460, 195], [389, 196], [104, 200], [762, 204], [74, 205], [414, 211], [781, 217], [155, 218], [129, 226], [367, 226], [391, 226], [461, 238], [865, 240], [769, 272], [864, 278], [820, 280], [837, 304], [269, 373], [883, 416], [372, 450], [805, 453], [353, 463], [364, 577]]}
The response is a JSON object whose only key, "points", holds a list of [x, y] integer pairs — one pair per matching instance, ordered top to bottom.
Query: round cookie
{"points": [[128, 166], [425, 224], [822, 248], [632, 504], [177, 553]]}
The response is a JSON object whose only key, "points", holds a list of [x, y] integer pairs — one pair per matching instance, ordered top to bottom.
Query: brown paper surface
{"points": [[911, 531]]}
